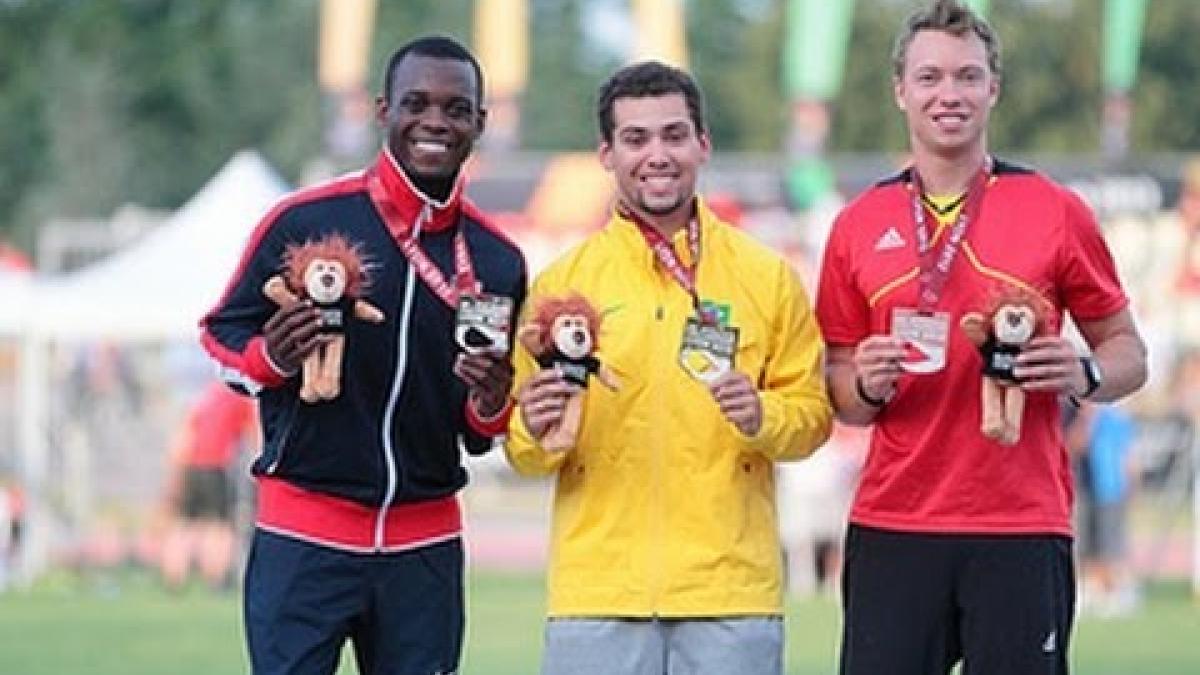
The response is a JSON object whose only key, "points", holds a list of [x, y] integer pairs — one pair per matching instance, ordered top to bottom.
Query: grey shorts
{"points": [[717, 646]]}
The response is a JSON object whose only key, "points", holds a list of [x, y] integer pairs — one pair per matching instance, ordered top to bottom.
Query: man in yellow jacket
{"points": [[665, 551]]}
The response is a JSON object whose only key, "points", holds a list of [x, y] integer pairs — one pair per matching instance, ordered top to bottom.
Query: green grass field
{"points": [[126, 626]]}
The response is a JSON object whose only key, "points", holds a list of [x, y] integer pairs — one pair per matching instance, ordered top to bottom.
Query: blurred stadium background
{"points": [[143, 138]]}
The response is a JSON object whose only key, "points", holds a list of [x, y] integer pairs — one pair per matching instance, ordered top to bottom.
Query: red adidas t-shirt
{"points": [[930, 469]]}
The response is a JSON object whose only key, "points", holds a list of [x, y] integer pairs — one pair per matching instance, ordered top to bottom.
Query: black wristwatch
{"points": [[1091, 371], [867, 398]]}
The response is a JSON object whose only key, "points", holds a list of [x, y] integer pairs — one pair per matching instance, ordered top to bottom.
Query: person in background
{"points": [[1187, 270], [1105, 435], [200, 489], [814, 499], [12, 507], [359, 529], [959, 544], [665, 547]]}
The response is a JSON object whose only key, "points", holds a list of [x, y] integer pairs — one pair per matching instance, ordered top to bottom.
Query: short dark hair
{"points": [[948, 16], [436, 46], [645, 79]]}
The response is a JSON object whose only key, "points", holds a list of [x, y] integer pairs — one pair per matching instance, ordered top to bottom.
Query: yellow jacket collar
{"points": [[626, 230]]}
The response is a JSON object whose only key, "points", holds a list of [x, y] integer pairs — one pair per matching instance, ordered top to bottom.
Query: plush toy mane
{"points": [[297, 258], [1016, 295], [550, 308]]}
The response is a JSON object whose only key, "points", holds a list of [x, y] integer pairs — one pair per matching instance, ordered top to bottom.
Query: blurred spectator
{"points": [[727, 207], [1161, 259], [13, 261], [1187, 280], [103, 382], [1101, 438], [1167, 462], [200, 493], [814, 501], [12, 520]]}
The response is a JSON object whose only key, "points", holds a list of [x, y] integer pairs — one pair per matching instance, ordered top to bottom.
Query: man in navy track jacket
{"points": [[358, 528]]}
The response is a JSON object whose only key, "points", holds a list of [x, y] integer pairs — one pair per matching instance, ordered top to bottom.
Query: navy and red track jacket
{"points": [[376, 468]]}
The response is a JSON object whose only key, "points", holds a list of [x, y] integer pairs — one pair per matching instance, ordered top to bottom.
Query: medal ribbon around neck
{"points": [[407, 235], [935, 266], [684, 275]]}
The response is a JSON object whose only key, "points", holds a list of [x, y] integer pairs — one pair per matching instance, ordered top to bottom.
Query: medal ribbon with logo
{"points": [[407, 235], [935, 266], [684, 275]]}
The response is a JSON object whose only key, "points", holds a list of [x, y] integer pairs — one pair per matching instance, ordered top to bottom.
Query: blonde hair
{"points": [[947, 16]]}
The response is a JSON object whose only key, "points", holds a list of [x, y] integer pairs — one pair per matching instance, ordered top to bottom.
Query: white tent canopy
{"points": [[159, 287], [155, 290]]}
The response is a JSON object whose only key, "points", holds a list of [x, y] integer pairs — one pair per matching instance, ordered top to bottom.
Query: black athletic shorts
{"points": [[207, 494], [917, 604]]}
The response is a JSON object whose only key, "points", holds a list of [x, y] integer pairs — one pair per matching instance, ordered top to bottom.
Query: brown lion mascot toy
{"points": [[331, 273], [1014, 318], [563, 333]]}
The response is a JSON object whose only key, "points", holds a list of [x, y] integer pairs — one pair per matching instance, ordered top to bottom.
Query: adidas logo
{"points": [[889, 240], [1051, 643]]}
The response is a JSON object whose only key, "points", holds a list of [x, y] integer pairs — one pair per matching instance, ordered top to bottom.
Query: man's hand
{"points": [[292, 334], [1050, 363], [877, 365], [489, 377], [543, 398], [739, 402]]}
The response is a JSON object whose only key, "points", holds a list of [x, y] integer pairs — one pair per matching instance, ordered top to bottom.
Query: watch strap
{"points": [[1091, 374], [865, 397]]}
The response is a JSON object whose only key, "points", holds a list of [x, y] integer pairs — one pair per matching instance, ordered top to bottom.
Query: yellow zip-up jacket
{"points": [[664, 508]]}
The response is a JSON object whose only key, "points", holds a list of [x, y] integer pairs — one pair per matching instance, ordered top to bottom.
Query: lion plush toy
{"points": [[330, 272], [1014, 319], [562, 333]]}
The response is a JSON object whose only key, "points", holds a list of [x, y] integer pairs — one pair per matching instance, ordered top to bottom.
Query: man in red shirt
{"points": [[200, 494], [959, 546]]}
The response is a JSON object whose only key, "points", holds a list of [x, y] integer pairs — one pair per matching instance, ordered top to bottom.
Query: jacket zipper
{"points": [[287, 431], [389, 456], [657, 561]]}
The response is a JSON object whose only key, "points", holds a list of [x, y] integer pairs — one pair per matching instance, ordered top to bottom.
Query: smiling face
{"points": [[946, 91], [433, 117], [655, 155]]}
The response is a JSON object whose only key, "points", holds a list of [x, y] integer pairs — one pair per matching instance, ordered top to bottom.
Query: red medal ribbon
{"points": [[406, 236], [935, 266], [684, 275]]}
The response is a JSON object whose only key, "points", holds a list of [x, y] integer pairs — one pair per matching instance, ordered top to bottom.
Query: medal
{"points": [[482, 323], [925, 336], [707, 350]]}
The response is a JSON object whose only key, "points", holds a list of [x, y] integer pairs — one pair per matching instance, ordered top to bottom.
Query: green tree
{"points": [[399, 22], [735, 57], [565, 70], [1050, 87], [1166, 98], [141, 101], [864, 117]]}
